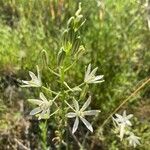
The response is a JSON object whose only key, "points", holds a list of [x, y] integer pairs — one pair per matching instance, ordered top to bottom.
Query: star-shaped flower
{"points": [[90, 76], [35, 80], [43, 108], [80, 114], [124, 119], [122, 122], [133, 140]]}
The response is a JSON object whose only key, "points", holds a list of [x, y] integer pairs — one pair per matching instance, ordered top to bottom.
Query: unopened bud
{"points": [[79, 10], [70, 22], [80, 52], [60, 57]]}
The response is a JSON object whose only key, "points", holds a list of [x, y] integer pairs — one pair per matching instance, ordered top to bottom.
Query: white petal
{"points": [[88, 71], [93, 71], [32, 75], [99, 77], [97, 81], [25, 82], [30, 84], [77, 89], [43, 97], [35, 101], [86, 104], [76, 105], [35, 111], [48, 111], [91, 112], [124, 113], [41, 115], [70, 115], [118, 116], [129, 116], [116, 123], [128, 123], [87, 124], [75, 126], [122, 131], [137, 141], [134, 144]]}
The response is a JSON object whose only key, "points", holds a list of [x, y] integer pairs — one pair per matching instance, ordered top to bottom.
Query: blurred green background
{"points": [[116, 36]]}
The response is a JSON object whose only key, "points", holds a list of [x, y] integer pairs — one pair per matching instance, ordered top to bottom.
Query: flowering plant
{"points": [[56, 102]]}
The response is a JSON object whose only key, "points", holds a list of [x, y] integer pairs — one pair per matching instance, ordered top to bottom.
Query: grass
{"points": [[116, 38]]}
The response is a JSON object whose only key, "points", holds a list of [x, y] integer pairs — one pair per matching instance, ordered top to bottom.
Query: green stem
{"points": [[69, 66], [61, 70], [53, 72], [81, 84], [47, 89], [71, 89]]}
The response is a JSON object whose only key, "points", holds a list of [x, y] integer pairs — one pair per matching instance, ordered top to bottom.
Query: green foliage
{"points": [[115, 37], [43, 128]]}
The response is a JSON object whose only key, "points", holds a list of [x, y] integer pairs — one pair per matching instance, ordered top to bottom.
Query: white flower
{"points": [[98, 3], [90, 76], [35, 80], [43, 108], [80, 114], [124, 119], [122, 122], [133, 140]]}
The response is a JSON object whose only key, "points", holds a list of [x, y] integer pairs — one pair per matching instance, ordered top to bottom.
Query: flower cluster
{"points": [[58, 102], [42, 111], [122, 124]]}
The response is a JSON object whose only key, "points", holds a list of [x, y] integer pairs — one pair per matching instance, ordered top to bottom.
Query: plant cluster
{"points": [[59, 102]]}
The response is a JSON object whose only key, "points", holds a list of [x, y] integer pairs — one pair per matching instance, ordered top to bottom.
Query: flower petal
{"points": [[88, 71], [93, 71], [32, 75], [99, 77], [97, 81], [25, 82], [77, 89], [43, 97], [35, 101], [86, 104], [76, 105], [35, 111], [91, 112], [124, 113], [41, 115], [70, 115], [129, 116], [119, 117], [128, 123], [87, 124], [75, 126], [122, 131]]}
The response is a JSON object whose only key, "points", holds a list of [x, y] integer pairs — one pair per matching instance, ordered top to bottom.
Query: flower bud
{"points": [[70, 22], [80, 52], [60, 57]]}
